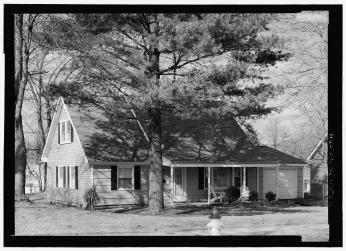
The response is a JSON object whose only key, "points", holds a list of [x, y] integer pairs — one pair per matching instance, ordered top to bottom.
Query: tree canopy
{"points": [[187, 63]]}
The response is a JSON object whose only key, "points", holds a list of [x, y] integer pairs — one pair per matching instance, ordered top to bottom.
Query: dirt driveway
{"points": [[42, 219]]}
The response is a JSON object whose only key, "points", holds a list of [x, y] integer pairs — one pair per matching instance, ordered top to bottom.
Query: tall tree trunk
{"points": [[49, 121], [42, 134], [20, 150], [155, 152], [20, 158], [155, 159]]}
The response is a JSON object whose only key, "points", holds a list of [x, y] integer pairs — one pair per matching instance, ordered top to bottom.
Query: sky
{"points": [[291, 119]]}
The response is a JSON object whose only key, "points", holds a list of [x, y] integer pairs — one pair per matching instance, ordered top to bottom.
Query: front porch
{"points": [[210, 183]]}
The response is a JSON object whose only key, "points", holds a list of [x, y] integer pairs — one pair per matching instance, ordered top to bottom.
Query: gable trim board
{"points": [[50, 131]]}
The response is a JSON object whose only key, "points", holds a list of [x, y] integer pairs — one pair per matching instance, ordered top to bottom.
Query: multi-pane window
{"points": [[68, 131], [65, 132], [61, 176], [72, 176], [67, 177], [220, 177], [125, 178]]}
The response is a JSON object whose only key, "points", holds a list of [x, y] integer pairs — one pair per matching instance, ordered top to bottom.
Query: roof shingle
{"points": [[116, 136]]}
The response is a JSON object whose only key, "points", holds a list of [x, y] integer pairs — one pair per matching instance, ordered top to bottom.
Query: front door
{"points": [[179, 183]]}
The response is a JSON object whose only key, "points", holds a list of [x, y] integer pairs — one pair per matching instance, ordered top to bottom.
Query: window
{"points": [[66, 134], [61, 176], [67, 177], [73, 177], [125, 178], [221, 178]]}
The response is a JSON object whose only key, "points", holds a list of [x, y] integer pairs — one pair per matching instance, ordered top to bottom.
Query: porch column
{"points": [[232, 176], [244, 176], [257, 179], [172, 182], [277, 182], [209, 184], [244, 193]]}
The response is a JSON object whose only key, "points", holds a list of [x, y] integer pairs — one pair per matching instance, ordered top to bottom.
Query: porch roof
{"points": [[255, 155]]}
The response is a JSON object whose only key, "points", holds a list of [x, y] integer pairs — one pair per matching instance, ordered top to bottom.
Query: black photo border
{"points": [[334, 139]]}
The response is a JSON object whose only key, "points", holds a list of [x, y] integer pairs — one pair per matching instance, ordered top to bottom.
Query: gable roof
{"points": [[52, 127], [206, 138], [317, 147]]}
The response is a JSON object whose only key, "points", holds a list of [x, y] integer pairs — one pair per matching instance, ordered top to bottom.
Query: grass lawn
{"points": [[40, 218]]}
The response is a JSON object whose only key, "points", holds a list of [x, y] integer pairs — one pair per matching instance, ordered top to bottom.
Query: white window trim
{"points": [[63, 140], [75, 180], [60, 181], [132, 181], [68, 185], [72, 186]]}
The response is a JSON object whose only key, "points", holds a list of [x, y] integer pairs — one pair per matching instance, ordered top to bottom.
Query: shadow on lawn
{"points": [[225, 210], [233, 211]]}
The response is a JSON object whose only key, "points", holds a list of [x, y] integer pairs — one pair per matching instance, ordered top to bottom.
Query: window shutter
{"points": [[58, 132], [71, 132], [137, 175], [57, 176], [64, 176], [68, 177], [76, 177], [201, 178], [114, 185]]}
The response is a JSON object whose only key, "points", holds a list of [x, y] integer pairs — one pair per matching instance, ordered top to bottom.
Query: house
{"points": [[202, 156], [318, 167]]}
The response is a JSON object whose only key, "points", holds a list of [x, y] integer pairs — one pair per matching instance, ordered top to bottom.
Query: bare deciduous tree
{"points": [[23, 39], [274, 126]]}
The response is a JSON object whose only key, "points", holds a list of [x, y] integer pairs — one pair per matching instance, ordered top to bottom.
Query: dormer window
{"points": [[66, 132]]}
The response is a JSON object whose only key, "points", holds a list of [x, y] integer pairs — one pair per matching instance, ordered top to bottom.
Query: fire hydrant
{"points": [[215, 223]]}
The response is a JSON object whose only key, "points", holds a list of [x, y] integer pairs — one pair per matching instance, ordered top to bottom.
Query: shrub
{"points": [[233, 193], [253, 196], [270, 196], [68, 198], [91, 198]]}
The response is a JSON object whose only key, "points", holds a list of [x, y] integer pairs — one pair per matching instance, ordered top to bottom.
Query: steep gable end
{"points": [[62, 132]]}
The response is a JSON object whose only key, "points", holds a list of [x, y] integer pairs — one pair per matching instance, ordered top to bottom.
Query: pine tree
{"points": [[183, 63]]}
